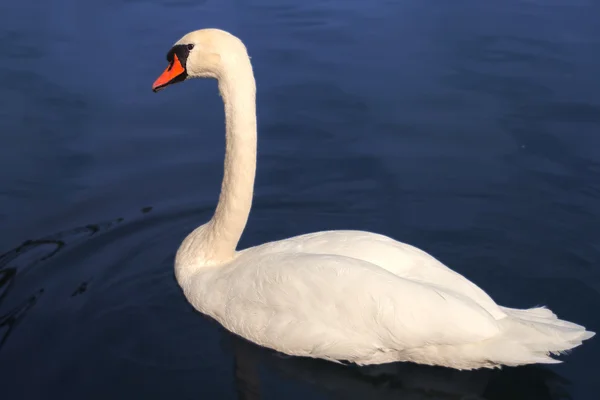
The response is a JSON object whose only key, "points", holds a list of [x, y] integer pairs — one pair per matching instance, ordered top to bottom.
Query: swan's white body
{"points": [[339, 295]]}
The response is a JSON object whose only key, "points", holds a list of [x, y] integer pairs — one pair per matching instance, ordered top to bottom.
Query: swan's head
{"points": [[201, 54]]}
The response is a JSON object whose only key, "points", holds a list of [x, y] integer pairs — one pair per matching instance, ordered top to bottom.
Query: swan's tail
{"points": [[542, 331], [533, 336], [527, 337]]}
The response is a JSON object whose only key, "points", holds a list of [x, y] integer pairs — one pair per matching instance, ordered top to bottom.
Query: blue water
{"points": [[468, 128]]}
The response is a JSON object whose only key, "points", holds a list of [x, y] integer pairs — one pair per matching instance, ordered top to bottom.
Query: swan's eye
{"points": [[190, 46]]}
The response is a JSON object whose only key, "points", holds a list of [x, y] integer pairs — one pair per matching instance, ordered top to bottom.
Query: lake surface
{"points": [[470, 129]]}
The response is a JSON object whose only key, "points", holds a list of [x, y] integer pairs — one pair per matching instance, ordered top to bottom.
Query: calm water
{"points": [[470, 129]]}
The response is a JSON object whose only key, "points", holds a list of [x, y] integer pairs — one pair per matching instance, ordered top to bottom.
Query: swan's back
{"points": [[399, 258]]}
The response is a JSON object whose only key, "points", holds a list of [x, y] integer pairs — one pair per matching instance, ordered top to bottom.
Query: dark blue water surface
{"points": [[468, 128]]}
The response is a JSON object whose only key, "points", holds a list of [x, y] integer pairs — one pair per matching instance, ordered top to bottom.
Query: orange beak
{"points": [[170, 75]]}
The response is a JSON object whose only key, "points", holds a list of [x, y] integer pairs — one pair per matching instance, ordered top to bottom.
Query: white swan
{"points": [[337, 295]]}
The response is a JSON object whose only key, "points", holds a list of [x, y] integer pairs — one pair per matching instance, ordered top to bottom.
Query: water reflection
{"points": [[394, 381]]}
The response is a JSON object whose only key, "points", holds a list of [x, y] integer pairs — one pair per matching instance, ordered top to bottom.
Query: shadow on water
{"points": [[393, 381]]}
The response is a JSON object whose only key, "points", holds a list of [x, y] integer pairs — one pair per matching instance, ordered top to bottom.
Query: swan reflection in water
{"points": [[391, 381]]}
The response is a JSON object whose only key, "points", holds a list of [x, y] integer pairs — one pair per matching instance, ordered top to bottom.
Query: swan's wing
{"points": [[399, 258], [334, 307]]}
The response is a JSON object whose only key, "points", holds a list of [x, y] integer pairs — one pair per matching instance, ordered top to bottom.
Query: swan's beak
{"points": [[174, 73]]}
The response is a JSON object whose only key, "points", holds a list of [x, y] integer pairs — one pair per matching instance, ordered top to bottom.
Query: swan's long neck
{"points": [[238, 92], [216, 241]]}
